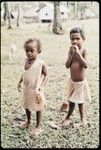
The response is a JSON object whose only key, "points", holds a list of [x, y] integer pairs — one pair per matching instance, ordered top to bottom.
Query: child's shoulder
{"points": [[84, 50], [25, 60], [40, 61]]}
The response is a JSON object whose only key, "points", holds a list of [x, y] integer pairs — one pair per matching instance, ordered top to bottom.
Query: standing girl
{"points": [[34, 79]]}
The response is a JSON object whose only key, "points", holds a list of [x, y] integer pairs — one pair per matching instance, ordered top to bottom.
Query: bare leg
{"points": [[71, 108], [81, 110], [70, 111], [28, 116], [38, 118], [27, 123], [37, 129]]}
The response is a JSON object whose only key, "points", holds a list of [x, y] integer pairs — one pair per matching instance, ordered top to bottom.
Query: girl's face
{"points": [[76, 39], [31, 50]]}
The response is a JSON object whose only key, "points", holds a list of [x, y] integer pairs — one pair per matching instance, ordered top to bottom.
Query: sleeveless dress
{"points": [[32, 77]]}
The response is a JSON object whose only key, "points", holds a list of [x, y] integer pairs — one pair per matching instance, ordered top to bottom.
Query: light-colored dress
{"points": [[32, 77], [78, 92]]}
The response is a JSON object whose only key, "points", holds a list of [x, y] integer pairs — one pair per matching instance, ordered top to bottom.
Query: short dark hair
{"points": [[78, 30], [31, 40]]}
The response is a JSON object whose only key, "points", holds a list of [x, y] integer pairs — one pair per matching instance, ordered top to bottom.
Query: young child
{"points": [[34, 79], [78, 89]]}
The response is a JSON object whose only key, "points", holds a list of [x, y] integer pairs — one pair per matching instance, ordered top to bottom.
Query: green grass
{"points": [[54, 53]]}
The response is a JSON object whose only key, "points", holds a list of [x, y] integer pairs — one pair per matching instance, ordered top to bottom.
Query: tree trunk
{"points": [[67, 4], [75, 10], [5, 11], [9, 16], [18, 17], [57, 26]]}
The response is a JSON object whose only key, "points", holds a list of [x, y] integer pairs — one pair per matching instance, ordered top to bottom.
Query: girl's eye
{"points": [[72, 39], [75, 39], [27, 50], [31, 50]]}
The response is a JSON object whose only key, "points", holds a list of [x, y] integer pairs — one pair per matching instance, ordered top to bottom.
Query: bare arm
{"points": [[70, 57], [83, 59], [21, 78], [45, 78], [42, 82], [19, 83]]}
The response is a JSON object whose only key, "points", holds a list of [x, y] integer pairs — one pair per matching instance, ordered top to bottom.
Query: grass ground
{"points": [[55, 49]]}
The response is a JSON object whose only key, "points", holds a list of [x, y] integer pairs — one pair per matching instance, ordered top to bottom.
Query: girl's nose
{"points": [[74, 42]]}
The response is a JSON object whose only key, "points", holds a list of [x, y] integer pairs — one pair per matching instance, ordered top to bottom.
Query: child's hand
{"points": [[72, 49], [76, 49], [19, 87], [41, 89], [36, 91], [38, 96]]}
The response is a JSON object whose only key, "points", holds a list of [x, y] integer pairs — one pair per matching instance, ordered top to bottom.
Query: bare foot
{"points": [[64, 107], [65, 123], [81, 124], [24, 125], [36, 131]]}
